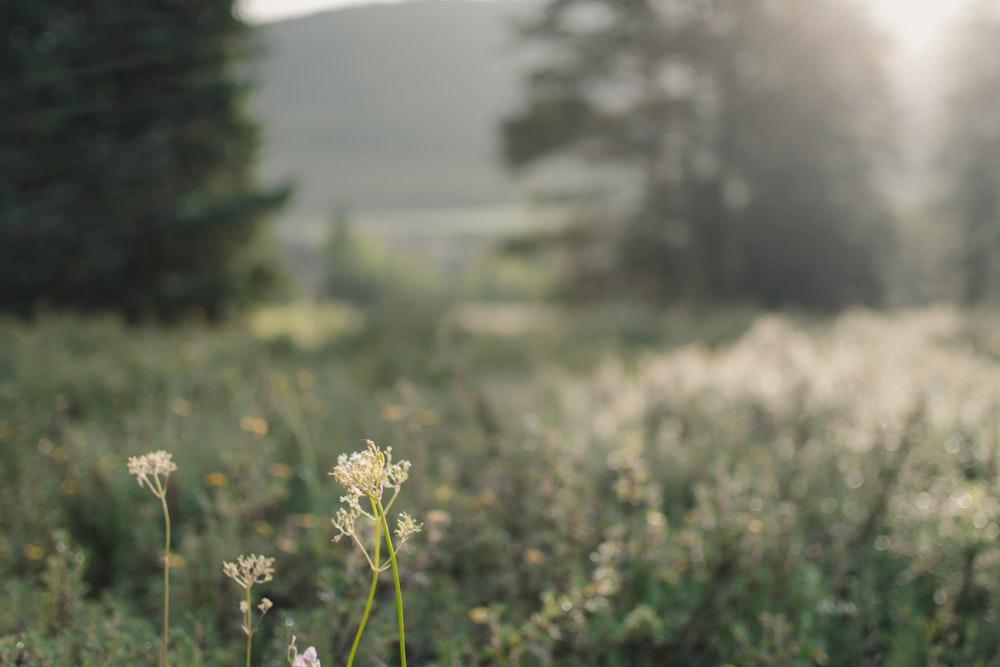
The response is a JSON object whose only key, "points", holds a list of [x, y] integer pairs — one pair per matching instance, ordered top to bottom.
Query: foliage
{"points": [[739, 140], [969, 155], [127, 159], [367, 268], [362, 269], [814, 492]]}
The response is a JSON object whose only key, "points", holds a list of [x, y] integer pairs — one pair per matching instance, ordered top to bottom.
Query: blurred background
{"points": [[193, 157], [683, 310]]}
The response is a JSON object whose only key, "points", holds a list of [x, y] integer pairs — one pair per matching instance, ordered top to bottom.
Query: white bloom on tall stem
{"points": [[148, 470], [365, 476], [247, 571]]}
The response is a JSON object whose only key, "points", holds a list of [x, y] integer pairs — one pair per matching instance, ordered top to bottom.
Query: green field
{"points": [[604, 487]]}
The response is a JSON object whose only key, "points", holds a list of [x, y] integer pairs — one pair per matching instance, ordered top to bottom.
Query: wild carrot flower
{"points": [[152, 465], [148, 470], [369, 473], [365, 476], [250, 570], [247, 571]]}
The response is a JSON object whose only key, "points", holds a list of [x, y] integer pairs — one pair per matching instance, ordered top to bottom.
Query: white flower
{"points": [[155, 465], [369, 472], [406, 526], [250, 570], [307, 659]]}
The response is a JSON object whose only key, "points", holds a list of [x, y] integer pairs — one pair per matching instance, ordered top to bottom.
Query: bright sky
{"points": [[262, 11], [914, 22]]}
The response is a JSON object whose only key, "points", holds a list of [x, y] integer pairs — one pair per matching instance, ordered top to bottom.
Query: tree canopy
{"points": [[744, 137], [970, 154], [127, 158]]}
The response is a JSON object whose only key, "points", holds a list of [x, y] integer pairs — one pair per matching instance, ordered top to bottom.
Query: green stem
{"points": [[166, 572], [399, 592], [371, 593], [248, 619]]}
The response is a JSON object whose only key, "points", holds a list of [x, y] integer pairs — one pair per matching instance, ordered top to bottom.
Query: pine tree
{"points": [[744, 131], [127, 158]]}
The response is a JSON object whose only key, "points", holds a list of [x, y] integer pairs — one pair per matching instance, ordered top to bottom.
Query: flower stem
{"points": [[166, 572], [399, 592], [371, 593], [249, 625]]}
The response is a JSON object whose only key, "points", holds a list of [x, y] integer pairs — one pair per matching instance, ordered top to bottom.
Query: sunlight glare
{"points": [[915, 24]]}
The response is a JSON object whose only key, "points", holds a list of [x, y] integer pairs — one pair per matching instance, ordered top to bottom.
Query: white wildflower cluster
{"points": [[149, 468], [369, 473], [366, 475], [406, 527], [250, 570], [247, 571]]}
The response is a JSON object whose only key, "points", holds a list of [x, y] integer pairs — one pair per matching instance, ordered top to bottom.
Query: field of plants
{"points": [[609, 488]]}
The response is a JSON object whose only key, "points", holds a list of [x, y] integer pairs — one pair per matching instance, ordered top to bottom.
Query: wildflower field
{"points": [[679, 490]]}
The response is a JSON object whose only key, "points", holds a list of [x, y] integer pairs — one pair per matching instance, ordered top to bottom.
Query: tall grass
{"points": [[810, 492]]}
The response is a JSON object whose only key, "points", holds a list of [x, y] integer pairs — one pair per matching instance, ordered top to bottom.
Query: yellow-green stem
{"points": [[166, 572], [371, 592], [399, 592], [248, 618]]}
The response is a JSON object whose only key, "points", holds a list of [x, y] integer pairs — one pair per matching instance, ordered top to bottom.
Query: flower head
{"points": [[153, 464], [369, 473], [345, 521], [406, 527], [250, 570], [307, 659]]}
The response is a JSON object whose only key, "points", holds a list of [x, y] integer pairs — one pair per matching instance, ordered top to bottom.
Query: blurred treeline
{"points": [[751, 145], [733, 151], [970, 152], [127, 158]]}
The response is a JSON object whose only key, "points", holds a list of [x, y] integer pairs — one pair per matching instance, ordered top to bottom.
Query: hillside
{"points": [[389, 106]]}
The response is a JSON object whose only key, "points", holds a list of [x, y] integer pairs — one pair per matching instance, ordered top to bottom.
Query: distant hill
{"points": [[389, 106]]}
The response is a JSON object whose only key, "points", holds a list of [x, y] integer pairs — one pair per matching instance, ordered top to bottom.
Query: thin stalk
{"points": [[162, 494], [371, 592], [399, 592], [249, 624]]}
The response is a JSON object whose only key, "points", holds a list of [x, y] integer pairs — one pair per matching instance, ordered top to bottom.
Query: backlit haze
{"points": [[263, 11], [914, 23]]}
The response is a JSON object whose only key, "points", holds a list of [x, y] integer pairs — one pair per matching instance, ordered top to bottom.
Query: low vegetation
{"points": [[677, 490]]}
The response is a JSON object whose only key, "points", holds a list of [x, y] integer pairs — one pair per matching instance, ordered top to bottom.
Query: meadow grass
{"points": [[807, 492]]}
